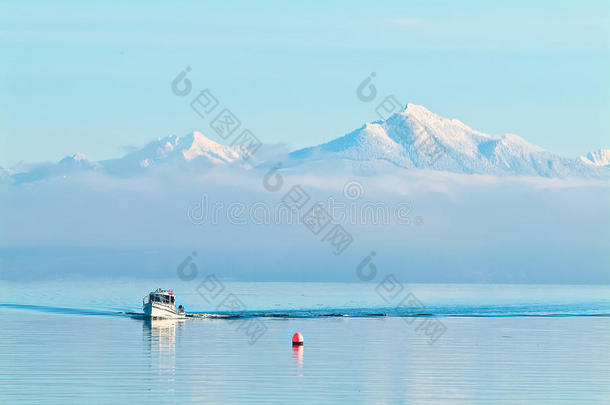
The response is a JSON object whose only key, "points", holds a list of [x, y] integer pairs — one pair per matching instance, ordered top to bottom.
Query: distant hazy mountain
{"points": [[412, 139], [418, 139], [599, 158], [68, 165]]}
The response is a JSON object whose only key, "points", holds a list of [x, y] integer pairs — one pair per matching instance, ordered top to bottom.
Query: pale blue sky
{"points": [[95, 77]]}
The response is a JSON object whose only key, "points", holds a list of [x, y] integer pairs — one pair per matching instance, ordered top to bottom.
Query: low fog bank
{"points": [[422, 226]]}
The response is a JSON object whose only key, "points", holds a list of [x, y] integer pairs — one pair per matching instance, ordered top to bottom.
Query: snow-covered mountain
{"points": [[411, 139], [419, 139], [193, 149], [600, 158]]}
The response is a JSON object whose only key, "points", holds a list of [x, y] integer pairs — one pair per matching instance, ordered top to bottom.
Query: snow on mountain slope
{"points": [[418, 138], [193, 148], [600, 158]]}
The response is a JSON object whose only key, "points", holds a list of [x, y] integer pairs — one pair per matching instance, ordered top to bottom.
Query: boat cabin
{"points": [[162, 296]]}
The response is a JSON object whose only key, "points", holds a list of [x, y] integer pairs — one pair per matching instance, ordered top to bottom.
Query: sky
{"points": [[95, 77]]}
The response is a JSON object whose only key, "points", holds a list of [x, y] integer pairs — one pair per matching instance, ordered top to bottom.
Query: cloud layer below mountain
{"points": [[443, 227]]}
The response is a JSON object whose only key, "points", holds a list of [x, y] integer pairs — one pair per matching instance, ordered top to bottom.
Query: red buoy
{"points": [[297, 339]]}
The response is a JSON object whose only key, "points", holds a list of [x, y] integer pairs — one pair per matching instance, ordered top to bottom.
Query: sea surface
{"points": [[85, 341]]}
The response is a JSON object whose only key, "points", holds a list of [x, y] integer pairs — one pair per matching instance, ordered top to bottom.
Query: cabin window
{"points": [[164, 299]]}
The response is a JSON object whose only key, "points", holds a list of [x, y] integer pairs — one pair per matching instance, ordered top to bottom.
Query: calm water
{"points": [[81, 342]]}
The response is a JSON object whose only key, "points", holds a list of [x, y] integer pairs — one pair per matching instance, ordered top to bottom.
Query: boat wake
{"points": [[61, 310]]}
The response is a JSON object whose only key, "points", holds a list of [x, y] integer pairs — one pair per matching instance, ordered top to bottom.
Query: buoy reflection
{"points": [[297, 355]]}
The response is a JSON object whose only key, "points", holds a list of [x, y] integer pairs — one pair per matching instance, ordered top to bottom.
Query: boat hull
{"points": [[159, 311]]}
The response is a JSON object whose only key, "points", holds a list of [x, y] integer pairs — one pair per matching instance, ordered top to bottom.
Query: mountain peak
{"points": [[417, 109], [427, 117], [417, 138], [202, 146], [79, 160]]}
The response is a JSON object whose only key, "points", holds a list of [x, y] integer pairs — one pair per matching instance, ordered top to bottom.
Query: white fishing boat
{"points": [[162, 304]]}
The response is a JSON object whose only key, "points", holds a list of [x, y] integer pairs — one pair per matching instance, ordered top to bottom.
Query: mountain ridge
{"points": [[414, 138]]}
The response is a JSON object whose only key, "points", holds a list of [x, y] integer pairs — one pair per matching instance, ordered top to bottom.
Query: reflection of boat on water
{"points": [[162, 304], [162, 332], [160, 335]]}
